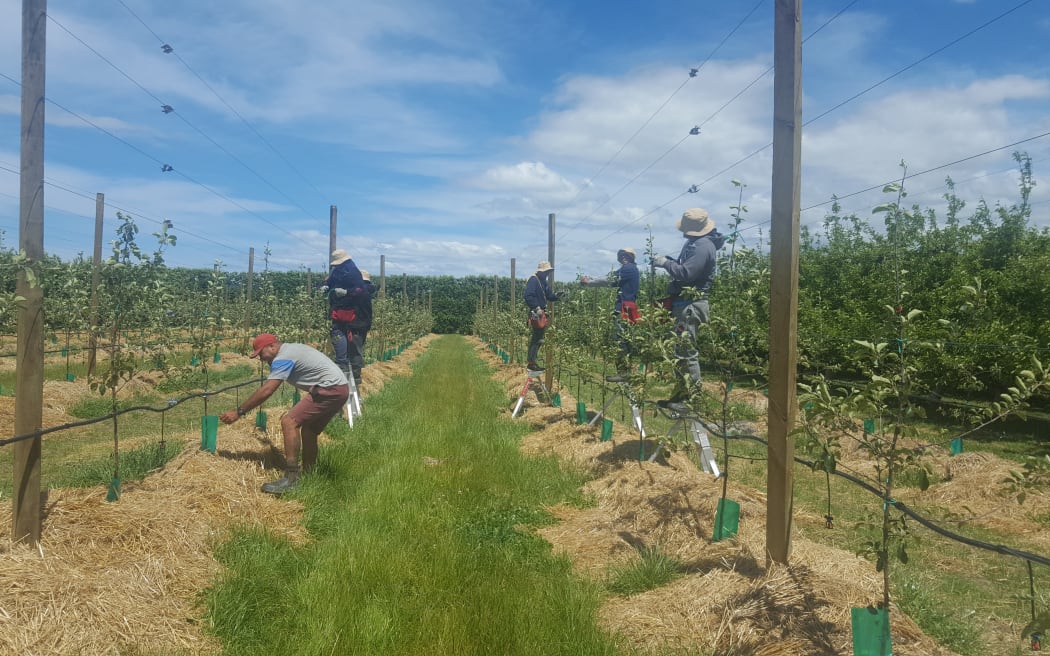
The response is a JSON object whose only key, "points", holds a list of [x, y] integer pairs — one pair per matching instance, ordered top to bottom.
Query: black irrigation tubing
{"points": [[87, 422], [900, 505]]}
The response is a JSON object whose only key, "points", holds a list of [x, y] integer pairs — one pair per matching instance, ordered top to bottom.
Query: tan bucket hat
{"points": [[695, 222], [339, 256], [544, 266]]}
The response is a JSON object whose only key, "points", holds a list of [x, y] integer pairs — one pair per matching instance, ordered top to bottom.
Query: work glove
{"points": [[661, 261], [324, 289], [339, 292], [537, 313]]}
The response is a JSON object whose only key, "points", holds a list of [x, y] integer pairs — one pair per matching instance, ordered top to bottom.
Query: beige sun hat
{"points": [[695, 222], [630, 250], [339, 256], [544, 266]]}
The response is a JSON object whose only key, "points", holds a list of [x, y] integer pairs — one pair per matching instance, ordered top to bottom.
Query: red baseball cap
{"points": [[261, 341]]}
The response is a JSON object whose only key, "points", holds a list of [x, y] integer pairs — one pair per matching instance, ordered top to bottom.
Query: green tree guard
{"points": [[209, 432], [113, 493], [727, 520], [871, 632]]}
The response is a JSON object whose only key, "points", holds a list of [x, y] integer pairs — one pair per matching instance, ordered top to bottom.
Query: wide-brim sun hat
{"points": [[695, 222], [630, 250], [339, 256], [544, 266]]}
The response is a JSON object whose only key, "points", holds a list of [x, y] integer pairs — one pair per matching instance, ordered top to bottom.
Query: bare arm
{"points": [[257, 398]]}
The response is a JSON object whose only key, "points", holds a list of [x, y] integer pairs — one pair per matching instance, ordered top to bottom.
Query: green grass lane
{"points": [[419, 518]]}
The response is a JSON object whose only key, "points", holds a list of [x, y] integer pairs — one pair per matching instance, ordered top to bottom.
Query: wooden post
{"points": [[333, 223], [96, 266], [382, 276], [404, 288], [513, 305], [248, 310], [783, 327], [547, 361], [29, 367]]}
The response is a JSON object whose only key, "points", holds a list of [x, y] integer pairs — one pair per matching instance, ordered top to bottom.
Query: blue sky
{"points": [[445, 133]]}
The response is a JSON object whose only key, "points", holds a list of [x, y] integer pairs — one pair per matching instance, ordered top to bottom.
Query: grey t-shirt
{"points": [[304, 367]]}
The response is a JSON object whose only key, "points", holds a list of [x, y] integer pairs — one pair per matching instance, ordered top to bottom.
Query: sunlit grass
{"points": [[421, 518]]}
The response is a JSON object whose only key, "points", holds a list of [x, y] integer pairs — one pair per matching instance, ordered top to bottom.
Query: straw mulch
{"points": [[109, 577], [728, 601]]}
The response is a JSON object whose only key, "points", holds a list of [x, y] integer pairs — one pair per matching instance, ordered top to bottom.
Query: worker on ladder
{"points": [[626, 281], [538, 294]]}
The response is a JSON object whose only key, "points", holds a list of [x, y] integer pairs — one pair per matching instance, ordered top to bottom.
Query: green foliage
{"points": [[92, 407], [135, 464], [430, 545], [652, 569]]}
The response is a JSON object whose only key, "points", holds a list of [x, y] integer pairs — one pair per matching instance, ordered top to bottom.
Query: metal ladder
{"points": [[538, 377], [624, 390], [353, 402], [686, 419]]}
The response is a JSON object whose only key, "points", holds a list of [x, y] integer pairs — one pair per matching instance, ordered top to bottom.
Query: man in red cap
{"points": [[325, 393]]}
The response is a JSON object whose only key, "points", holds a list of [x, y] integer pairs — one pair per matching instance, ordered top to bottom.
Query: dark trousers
{"points": [[535, 342], [340, 343]]}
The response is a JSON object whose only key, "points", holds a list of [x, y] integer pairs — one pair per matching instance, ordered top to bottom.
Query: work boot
{"points": [[532, 366], [356, 373], [289, 481]]}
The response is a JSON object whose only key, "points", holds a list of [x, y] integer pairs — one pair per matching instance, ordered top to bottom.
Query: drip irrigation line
{"points": [[167, 49], [87, 422], [907, 510]]}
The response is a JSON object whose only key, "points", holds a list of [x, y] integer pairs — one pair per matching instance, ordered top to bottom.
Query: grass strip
{"points": [[419, 518]]}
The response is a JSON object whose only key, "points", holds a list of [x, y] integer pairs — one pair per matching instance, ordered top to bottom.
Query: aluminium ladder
{"points": [[532, 376], [624, 390], [685, 418]]}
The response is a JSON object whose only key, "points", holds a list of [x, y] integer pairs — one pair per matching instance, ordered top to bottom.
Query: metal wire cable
{"points": [[171, 51], [167, 109]]}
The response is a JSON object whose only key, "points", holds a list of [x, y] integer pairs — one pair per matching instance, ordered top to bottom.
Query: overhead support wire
{"points": [[167, 49], [168, 109], [697, 129]]}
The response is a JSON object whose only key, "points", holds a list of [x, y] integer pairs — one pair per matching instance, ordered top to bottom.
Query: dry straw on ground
{"points": [[112, 575], [109, 576], [728, 601]]}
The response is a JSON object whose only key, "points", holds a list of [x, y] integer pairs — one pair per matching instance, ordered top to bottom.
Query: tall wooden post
{"points": [[333, 224], [96, 266], [382, 276], [404, 288], [513, 304], [248, 307], [783, 327], [547, 360], [29, 370]]}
